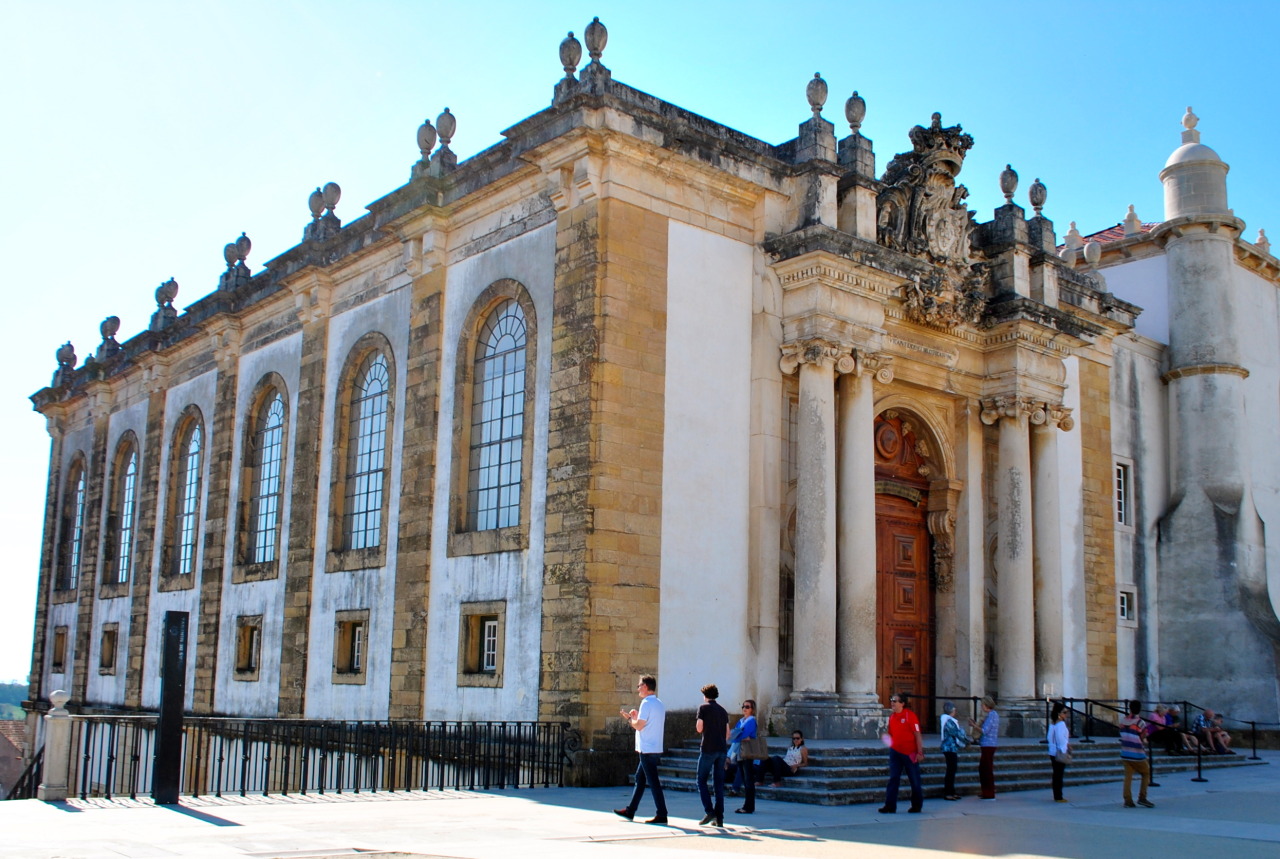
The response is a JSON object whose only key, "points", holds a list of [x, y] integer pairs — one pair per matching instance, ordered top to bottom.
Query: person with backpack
{"points": [[1133, 754]]}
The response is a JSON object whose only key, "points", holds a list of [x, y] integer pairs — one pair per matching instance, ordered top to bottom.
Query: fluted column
{"points": [[856, 541], [1047, 551], [815, 599], [1015, 617]]}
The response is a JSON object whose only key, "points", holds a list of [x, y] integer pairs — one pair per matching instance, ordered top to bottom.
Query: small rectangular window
{"points": [[1124, 495], [1128, 609], [480, 643], [248, 646], [350, 646], [107, 648], [58, 660]]}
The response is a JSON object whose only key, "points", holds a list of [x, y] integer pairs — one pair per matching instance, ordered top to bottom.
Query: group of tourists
{"points": [[906, 751]]}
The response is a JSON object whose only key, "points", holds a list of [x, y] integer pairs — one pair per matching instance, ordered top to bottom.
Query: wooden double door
{"points": [[905, 620]]}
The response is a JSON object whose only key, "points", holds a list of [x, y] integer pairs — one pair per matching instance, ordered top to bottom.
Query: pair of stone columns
{"points": [[1028, 553], [835, 596]]}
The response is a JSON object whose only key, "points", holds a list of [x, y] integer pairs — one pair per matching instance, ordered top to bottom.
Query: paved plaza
{"points": [[1236, 814]]}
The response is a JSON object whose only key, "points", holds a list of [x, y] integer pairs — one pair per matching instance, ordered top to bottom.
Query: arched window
{"points": [[267, 452], [366, 455], [495, 470], [186, 508], [120, 519], [73, 530]]}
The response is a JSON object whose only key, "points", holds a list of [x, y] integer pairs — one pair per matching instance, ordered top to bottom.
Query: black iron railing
{"points": [[113, 756], [27, 784]]}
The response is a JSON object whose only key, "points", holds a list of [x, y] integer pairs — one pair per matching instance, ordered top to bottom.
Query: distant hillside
{"points": [[11, 695]]}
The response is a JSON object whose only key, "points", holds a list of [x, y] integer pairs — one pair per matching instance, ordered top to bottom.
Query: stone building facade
{"points": [[633, 392]]}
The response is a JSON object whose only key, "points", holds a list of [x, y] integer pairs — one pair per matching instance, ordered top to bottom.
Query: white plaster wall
{"points": [[1144, 282], [200, 393], [77, 441], [515, 577], [372, 589], [702, 632], [1075, 669], [110, 688], [258, 697]]}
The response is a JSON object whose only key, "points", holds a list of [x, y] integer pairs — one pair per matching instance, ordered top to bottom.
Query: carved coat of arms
{"points": [[922, 212]]}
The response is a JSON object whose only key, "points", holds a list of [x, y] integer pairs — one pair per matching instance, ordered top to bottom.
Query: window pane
{"points": [[497, 429], [268, 454], [366, 455], [124, 539]]}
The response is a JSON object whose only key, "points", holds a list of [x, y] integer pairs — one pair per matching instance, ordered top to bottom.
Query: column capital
{"points": [[815, 351], [878, 364], [1036, 412]]}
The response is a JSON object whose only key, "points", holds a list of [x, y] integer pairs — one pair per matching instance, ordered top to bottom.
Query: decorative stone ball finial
{"points": [[597, 37], [570, 54], [816, 92], [855, 110], [1190, 120], [446, 124], [426, 138], [1008, 183], [1038, 193], [331, 194], [316, 204], [1132, 223], [1073, 239], [1263, 243], [237, 251], [230, 254], [1093, 254], [166, 293], [109, 327], [66, 356], [59, 699]]}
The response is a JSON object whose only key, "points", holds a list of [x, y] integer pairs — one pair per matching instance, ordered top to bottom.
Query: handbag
{"points": [[755, 749], [1062, 758]]}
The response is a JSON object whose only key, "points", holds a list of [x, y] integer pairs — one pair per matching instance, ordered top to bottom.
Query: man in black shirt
{"points": [[713, 725]]}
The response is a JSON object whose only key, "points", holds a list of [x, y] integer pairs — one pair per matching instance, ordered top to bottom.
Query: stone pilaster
{"points": [[312, 296], [54, 423], [95, 478], [417, 479], [147, 518], [219, 518], [1047, 552]]}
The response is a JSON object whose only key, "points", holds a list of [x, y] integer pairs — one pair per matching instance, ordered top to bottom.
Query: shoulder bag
{"points": [[755, 749]]}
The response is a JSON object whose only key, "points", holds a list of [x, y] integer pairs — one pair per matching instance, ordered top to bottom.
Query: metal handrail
{"points": [[29, 782]]}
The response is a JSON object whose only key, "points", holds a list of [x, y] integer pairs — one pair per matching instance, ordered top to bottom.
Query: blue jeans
{"points": [[897, 763], [711, 764], [647, 775]]}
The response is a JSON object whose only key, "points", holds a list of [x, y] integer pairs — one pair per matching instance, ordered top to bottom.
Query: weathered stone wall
{"points": [[1099, 527]]}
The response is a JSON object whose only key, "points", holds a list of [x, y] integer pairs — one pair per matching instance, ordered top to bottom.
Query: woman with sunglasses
{"points": [[795, 759], [742, 772]]}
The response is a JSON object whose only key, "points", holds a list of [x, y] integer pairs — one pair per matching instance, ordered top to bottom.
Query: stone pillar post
{"points": [[856, 542], [1047, 551], [815, 600], [1015, 617], [57, 750]]}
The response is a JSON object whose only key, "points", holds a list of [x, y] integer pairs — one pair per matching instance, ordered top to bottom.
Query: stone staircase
{"points": [[855, 771]]}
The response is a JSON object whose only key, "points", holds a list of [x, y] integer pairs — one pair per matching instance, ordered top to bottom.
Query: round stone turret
{"points": [[1194, 177]]}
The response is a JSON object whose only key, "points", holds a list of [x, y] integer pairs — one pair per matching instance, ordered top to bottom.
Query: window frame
{"points": [[189, 422], [1123, 493], [75, 497], [121, 528], [462, 539], [340, 557], [246, 567], [1127, 593], [473, 618], [108, 643], [248, 644], [351, 646], [58, 651]]}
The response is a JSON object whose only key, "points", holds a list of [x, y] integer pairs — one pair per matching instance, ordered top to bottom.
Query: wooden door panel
{"points": [[904, 600]]}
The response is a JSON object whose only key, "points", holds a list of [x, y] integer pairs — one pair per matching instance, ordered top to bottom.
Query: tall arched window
{"points": [[267, 451], [366, 455], [495, 468], [186, 509], [120, 518], [73, 530]]}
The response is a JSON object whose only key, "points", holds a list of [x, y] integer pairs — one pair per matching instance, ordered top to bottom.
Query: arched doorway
{"points": [[905, 621]]}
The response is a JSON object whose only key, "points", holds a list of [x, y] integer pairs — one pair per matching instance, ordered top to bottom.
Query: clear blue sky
{"points": [[140, 137]]}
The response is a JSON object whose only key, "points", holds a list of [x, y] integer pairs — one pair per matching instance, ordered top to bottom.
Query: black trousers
{"points": [[953, 760], [1059, 770]]}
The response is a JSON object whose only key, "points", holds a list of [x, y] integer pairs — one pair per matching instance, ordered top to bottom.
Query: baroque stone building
{"points": [[632, 392]]}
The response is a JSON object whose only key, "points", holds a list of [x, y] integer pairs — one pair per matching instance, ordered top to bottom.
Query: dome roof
{"points": [[1191, 152]]}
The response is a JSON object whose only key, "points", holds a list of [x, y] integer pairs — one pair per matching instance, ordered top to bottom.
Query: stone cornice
{"points": [[1205, 370]]}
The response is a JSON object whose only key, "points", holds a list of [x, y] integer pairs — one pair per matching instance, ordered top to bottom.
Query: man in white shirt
{"points": [[648, 722]]}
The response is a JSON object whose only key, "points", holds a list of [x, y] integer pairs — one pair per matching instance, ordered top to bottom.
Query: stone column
{"points": [[856, 541], [1047, 551], [815, 600], [1015, 617], [57, 750]]}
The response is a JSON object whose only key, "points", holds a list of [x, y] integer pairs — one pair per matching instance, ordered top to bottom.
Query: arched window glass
{"points": [[497, 421], [366, 455], [268, 457], [127, 482], [187, 522], [70, 577]]}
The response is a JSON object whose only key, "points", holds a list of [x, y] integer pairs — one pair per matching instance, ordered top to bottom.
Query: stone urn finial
{"points": [[597, 37], [570, 55], [816, 92], [855, 110], [1190, 120], [446, 125], [426, 139], [1008, 183], [1038, 193], [330, 194], [316, 204], [1132, 223], [1263, 243], [1092, 254], [166, 293], [109, 327], [66, 356], [58, 698]]}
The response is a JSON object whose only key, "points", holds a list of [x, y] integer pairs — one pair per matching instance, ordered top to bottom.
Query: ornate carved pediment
{"points": [[921, 212]]}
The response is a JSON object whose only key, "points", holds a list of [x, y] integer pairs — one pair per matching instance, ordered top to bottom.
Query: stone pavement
{"points": [[1236, 814]]}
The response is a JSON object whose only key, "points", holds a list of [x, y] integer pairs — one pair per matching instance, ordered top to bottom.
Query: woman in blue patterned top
{"points": [[990, 735], [953, 740]]}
